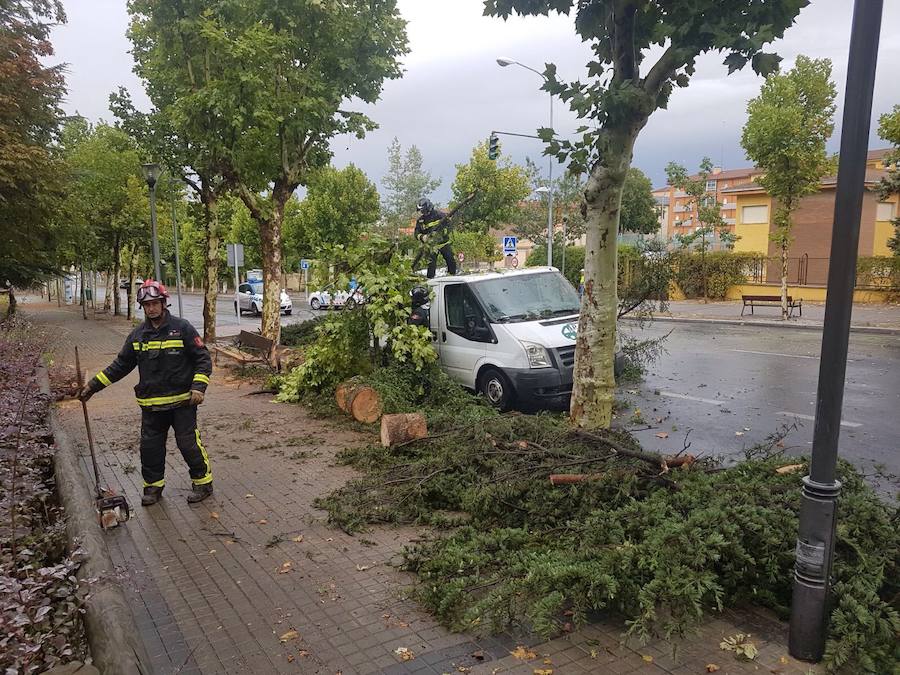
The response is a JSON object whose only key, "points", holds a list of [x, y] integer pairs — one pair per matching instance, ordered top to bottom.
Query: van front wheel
{"points": [[496, 388]]}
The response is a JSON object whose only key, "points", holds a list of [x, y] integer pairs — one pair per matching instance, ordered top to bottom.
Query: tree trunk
{"points": [[270, 238], [117, 272], [211, 278], [784, 282], [108, 291], [129, 292], [83, 296], [58, 299], [11, 310], [593, 389], [402, 428]]}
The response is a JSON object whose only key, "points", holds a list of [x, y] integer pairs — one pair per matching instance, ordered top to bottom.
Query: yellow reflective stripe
{"points": [[157, 344], [201, 378], [104, 380], [164, 400], [207, 478], [158, 483]]}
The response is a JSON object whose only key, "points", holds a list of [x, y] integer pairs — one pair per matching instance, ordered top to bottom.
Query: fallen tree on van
{"points": [[356, 341], [662, 541]]}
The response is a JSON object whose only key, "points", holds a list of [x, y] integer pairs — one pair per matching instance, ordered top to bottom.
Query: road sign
{"points": [[509, 244], [235, 255], [461, 256], [515, 261], [304, 264]]}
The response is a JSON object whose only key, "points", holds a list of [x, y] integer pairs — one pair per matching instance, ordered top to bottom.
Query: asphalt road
{"points": [[732, 386]]}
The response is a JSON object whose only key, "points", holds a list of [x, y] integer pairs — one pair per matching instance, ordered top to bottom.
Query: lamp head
{"points": [[502, 61], [151, 173]]}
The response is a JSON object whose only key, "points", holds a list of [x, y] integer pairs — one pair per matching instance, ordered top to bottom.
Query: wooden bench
{"points": [[752, 301], [247, 348]]}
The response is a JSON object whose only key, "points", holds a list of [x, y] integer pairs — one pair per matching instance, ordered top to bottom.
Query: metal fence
{"points": [[871, 273]]}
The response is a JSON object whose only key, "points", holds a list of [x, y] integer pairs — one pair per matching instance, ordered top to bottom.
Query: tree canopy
{"points": [[30, 117], [889, 130], [405, 183], [500, 185]]}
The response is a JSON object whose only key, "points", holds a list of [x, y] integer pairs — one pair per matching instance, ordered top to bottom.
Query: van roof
{"points": [[500, 274]]}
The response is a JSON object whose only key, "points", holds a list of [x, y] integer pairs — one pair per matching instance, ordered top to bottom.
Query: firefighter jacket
{"points": [[435, 221], [171, 360]]}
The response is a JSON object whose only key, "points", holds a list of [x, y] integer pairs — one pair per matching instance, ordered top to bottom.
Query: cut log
{"points": [[359, 400], [402, 428], [680, 460]]}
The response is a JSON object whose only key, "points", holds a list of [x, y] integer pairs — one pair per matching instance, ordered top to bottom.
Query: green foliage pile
{"points": [[723, 269], [300, 334], [352, 342], [663, 549]]}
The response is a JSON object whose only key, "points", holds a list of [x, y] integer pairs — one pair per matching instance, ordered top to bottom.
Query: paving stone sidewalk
{"points": [[254, 580]]}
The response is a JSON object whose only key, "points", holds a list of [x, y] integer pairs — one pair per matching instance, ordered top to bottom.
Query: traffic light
{"points": [[493, 146]]}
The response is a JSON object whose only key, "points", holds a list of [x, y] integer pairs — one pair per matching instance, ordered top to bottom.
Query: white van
{"points": [[508, 335]]}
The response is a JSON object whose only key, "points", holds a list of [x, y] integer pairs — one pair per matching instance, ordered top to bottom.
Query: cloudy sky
{"points": [[453, 92]]}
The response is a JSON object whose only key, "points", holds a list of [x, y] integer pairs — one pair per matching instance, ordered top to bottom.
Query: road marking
{"points": [[791, 356], [672, 394], [852, 425]]}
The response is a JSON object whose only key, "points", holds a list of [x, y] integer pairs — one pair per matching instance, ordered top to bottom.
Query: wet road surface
{"points": [[733, 386]]}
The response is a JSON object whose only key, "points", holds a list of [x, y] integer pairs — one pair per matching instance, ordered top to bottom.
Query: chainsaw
{"points": [[112, 508]]}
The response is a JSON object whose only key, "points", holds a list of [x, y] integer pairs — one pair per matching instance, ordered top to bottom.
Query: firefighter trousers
{"points": [[154, 433]]}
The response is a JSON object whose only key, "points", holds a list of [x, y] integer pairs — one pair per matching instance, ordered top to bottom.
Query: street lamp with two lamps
{"points": [[512, 62]]}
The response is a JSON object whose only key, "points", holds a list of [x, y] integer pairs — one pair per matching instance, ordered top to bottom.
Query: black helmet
{"points": [[424, 205], [419, 296]]}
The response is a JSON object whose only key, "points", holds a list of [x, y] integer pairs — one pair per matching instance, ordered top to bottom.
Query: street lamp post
{"points": [[512, 62], [151, 173], [173, 183], [818, 505]]}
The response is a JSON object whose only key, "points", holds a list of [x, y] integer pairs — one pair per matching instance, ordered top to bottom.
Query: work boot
{"points": [[200, 493], [152, 495]]}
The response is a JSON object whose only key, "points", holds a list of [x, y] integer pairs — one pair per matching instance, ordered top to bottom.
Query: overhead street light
{"points": [[505, 61], [151, 172]]}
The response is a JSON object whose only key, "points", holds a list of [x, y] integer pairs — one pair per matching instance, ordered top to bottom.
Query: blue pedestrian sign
{"points": [[509, 244], [304, 264]]}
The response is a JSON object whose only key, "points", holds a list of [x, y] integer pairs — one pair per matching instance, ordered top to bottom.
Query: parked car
{"points": [[123, 283], [250, 297], [324, 299], [509, 336]]}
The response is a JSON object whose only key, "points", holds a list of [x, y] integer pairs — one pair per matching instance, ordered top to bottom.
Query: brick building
{"points": [[811, 247]]}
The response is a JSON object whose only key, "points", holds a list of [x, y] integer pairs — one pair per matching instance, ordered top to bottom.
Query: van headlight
{"points": [[537, 355]]}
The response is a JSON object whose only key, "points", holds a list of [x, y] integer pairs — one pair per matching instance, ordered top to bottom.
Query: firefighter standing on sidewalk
{"points": [[174, 367]]}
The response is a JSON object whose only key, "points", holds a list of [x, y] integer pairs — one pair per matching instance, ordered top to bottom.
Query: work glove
{"points": [[85, 393], [196, 397]]}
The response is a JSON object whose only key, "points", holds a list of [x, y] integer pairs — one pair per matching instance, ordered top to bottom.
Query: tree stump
{"points": [[361, 401], [402, 428]]}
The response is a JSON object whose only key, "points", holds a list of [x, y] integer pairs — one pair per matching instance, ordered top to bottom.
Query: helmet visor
{"points": [[148, 293]]}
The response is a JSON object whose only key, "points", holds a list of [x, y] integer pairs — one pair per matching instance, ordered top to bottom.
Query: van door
{"points": [[464, 333]]}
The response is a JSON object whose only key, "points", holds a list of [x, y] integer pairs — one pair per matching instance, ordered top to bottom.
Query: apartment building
{"points": [[680, 216]]}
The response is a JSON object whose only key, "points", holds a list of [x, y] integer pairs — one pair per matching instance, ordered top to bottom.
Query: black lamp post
{"points": [[151, 175]]}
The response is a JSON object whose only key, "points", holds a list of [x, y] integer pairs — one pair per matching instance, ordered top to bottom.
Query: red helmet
{"points": [[151, 290]]}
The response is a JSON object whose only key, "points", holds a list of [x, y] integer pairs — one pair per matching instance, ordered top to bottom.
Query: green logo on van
{"points": [[570, 331]]}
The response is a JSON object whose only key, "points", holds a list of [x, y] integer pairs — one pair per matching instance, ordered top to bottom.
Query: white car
{"points": [[250, 297], [324, 299]]}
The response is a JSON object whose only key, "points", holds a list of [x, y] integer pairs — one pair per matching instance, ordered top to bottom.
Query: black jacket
{"points": [[435, 221], [171, 361]]}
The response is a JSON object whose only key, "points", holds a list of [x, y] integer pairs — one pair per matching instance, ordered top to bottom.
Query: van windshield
{"points": [[527, 297]]}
